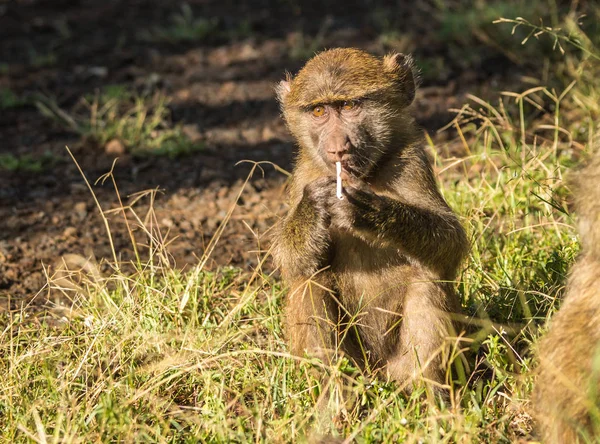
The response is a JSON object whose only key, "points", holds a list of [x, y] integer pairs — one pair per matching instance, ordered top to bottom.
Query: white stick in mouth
{"points": [[338, 190]]}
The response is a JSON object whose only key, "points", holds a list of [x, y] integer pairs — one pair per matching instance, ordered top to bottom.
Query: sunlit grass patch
{"points": [[140, 123], [147, 352]]}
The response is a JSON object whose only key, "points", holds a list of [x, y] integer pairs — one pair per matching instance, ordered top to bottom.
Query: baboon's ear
{"points": [[403, 67], [283, 88]]}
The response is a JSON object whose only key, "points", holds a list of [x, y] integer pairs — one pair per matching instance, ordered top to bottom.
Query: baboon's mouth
{"points": [[349, 169]]}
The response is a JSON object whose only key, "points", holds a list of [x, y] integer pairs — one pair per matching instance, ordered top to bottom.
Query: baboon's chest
{"points": [[351, 253], [367, 273]]}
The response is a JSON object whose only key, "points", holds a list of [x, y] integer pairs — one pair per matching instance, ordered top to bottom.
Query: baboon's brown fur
{"points": [[370, 275], [567, 393]]}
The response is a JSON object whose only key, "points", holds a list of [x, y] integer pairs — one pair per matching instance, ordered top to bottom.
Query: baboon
{"points": [[370, 274], [567, 392]]}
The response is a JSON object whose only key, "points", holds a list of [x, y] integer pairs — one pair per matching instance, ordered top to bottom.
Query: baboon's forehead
{"points": [[338, 75]]}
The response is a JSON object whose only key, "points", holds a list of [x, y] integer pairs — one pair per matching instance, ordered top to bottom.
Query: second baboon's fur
{"points": [[567, 394]]}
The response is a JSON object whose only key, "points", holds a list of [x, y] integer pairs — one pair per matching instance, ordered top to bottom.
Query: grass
{"points": [[477, 39], [141, 123], [141, 351], [156, 354]]}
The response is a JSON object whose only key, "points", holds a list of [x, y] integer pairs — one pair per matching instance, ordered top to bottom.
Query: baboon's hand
{"points": [[318, 196], [360, 207], [304, 239]]}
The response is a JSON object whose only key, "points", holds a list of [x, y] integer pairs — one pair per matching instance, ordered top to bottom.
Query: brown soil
{"points": [[222, 91]]}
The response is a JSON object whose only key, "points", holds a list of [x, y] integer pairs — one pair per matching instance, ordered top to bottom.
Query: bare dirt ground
{"points": [[221, 90]]}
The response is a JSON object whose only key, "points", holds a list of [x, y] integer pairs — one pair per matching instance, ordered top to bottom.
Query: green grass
{"points": [[474, 36], [141, 123], [143, 352]]}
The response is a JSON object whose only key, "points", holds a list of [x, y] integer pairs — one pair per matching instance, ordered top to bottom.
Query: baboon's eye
{"points": [[348, 105], [318, 111]]}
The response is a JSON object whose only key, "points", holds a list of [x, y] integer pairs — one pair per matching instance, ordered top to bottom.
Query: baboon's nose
{"points": [[337, 147]]}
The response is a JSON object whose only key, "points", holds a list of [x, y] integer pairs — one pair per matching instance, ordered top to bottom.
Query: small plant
{"points": [[184, 27], [573, 36], [41, 59], [8, 99], [27, 162]]}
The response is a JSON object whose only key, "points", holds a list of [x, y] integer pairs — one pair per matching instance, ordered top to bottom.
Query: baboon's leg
{"points": [[312, 318], [421, 351]]}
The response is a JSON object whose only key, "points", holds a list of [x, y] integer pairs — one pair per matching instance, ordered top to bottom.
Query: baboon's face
{"points": [[343, 106], [354, 132]]}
